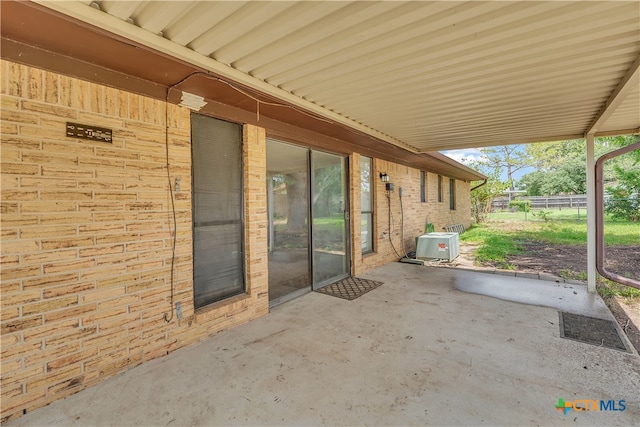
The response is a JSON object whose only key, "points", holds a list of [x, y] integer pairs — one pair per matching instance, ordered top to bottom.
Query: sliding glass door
{"points": [[329, 212], [305, 254]]}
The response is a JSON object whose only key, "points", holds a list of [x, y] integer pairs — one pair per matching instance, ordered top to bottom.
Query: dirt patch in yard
{"points": [[570, 261]]}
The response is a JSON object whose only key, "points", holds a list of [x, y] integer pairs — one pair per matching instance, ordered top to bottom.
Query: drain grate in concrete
{"points": [[349, 288], [590, 330]]}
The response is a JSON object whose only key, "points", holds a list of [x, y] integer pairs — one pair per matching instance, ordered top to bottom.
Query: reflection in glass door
{"points": [[288, 210], [329, 212]]}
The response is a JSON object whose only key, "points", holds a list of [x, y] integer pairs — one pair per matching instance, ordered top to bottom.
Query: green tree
{"points": [[548, 156], [510, 158], [561, 166], [569, 178], [532, 183], [296, 184], [327, 185], [624, 193], [483, 196]]}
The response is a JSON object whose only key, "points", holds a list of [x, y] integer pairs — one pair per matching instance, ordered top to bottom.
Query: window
{"points": [[423, 187], [439, 188], [452, 194], [366, 203], [218, 260]]}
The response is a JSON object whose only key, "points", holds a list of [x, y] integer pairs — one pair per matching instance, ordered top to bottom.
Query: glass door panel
{"points": [[288, 211], [329, 211]]}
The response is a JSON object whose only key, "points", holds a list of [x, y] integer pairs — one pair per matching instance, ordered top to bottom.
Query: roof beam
{"points": [[626, 85], [619, 132], [456, 145]]}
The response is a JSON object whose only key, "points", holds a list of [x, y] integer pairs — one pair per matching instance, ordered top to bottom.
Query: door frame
{"points": [[346, 212], [347, 222]]}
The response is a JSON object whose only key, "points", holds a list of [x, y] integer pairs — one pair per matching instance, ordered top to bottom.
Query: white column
{"points": [[591, 215]]}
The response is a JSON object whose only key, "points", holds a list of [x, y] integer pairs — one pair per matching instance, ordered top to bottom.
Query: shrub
{"points": [[622, 204], [522, 205], [544, 214]]}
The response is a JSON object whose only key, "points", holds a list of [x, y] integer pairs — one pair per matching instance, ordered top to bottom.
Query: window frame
{"points": [[440, 183], [423, 187], [452, 194], [368, 213], [207, 296]]}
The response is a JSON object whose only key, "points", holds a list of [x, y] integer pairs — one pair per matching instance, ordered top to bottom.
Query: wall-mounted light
{"points": [[384, 177]]}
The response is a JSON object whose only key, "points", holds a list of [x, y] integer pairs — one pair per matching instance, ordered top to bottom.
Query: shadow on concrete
{"points": [[432, 346]]}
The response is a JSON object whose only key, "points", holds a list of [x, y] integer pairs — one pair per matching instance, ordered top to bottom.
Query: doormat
{"points": [[349, 288], [591, 330]]}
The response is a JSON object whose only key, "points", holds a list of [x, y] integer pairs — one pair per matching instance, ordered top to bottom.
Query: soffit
{"points": [[423, 76], [625, 115]]}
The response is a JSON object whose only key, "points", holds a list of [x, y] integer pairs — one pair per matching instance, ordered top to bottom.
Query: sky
{"points": [[466, 153], [475, 154]]}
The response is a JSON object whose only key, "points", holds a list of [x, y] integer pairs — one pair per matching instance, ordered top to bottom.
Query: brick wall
{"points": [[416, 213], [87, 236]]}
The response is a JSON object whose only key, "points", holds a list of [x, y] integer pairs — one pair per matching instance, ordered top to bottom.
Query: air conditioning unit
{"points": [[438, 246]]}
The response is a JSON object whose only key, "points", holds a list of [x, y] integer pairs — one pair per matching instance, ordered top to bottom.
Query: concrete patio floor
{"points": [[417, 350]]}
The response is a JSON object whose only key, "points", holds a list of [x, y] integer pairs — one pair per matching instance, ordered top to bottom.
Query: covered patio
{"points": [[393, 79], [396, 82], [417, 350]]}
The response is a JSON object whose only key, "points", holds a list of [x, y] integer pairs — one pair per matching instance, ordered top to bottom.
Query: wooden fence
{"points": [[544, 202]]}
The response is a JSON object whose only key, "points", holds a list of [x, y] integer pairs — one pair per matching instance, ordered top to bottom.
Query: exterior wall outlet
{"points": [[179, 310]]}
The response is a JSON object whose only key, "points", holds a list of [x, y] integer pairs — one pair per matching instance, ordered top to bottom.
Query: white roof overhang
{"points": [[421, 75]]}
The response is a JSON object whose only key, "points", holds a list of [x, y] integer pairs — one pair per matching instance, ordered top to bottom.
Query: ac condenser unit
{"points": [[438, 246]]}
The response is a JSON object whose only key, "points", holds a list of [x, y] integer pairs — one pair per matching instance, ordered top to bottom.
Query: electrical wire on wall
{"points": [[274, 104], [173, 206], [391, 224], [402, 224], [406, 259], [165, 316]]}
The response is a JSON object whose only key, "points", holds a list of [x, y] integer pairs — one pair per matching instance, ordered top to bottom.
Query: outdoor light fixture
{"points": [[385, 178]]}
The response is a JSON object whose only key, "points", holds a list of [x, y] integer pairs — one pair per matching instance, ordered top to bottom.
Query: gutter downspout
{"points": [[479, 185], [599, 196], [591, 214]]}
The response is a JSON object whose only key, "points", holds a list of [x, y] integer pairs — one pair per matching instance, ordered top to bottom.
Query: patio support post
{"points": [[591, 214]]}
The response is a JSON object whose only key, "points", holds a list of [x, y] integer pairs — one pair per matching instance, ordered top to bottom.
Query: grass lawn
{"points": [[564, 226], [505, 233]]}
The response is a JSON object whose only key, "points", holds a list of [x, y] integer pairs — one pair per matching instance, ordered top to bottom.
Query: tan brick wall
{"points": [[416, 213], [87, 236]]}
